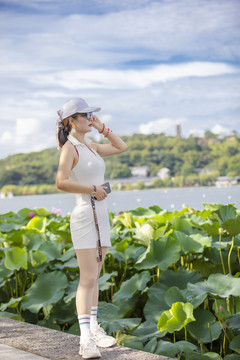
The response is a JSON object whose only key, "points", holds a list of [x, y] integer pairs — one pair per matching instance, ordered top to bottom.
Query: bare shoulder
{"points": [[68, 150]]}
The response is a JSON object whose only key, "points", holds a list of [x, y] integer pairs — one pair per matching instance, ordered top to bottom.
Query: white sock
{"points": [[93, 319], [84, 324]]}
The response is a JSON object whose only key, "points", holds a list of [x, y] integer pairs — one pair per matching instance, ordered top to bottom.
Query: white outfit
{"points": [[88, 171]]}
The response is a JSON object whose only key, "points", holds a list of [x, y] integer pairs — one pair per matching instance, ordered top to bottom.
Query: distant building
{"points": [[178, 130], [202, 170], [141, 171], [163, 173], [224, 181]]}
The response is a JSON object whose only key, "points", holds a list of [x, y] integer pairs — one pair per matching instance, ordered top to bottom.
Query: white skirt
{"points": [[82, 223]]}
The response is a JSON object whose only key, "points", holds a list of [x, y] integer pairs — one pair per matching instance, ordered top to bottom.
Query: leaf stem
{"points": [[220, 252], [229, 256], [210, 332]]}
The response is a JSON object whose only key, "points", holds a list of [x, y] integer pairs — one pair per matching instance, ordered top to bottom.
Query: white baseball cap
{"points": [[75, 106]]}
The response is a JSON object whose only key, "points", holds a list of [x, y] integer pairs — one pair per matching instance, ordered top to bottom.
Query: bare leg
{"points": [[99, 264], [89, 270]]}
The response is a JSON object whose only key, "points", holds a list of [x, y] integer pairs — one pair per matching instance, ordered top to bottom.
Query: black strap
{"points": [[98, 245]]}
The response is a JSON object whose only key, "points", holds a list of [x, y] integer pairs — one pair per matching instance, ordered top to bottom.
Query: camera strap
{"points": [[98, 245]]}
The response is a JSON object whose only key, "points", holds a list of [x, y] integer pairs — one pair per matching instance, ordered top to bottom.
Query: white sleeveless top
{"points": [[88, 171]]}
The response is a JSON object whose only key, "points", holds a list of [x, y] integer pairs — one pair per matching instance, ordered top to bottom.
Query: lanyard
{"points": [[98, 245]]}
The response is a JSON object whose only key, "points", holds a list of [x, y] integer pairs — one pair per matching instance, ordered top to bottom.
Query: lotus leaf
{"points": [[212, 207], [42, 212], [149, 212], [226, 212], [24, 213], [127, 220], [37, 223], [181, 224], [232, 226], [6, 228], [144, 234], [32, 239], [192, 244], [122, 245], [52, 250], [133, 252], [161, 253], [116, 254], [67, 255], [37, 258], [15, 259], [71, 264], [4, 273], [180, 278], [103, 282], [217, 285], [129, 287], [47, 289], [71, 290], [173, 295], [13, 302], [156, 303], [64, 313], [176, 318], [234, 321], [49, 324], [126, 324], [74, 329], [200, 329], [148, 330], [130, 341], [235, 344], [151, 345], [166, 348], [207, 356], [232, 357]]}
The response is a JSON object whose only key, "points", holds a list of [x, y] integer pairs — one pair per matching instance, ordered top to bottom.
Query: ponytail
{"points": [[63, 130]]}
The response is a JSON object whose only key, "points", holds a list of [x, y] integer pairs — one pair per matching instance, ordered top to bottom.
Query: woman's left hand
{"points": [[96, 123]]}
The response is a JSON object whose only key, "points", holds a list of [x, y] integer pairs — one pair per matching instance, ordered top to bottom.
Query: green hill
{"points": [[220, 156]]}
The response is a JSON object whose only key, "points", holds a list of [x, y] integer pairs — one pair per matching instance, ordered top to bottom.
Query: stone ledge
{"points": [[57, 345]]}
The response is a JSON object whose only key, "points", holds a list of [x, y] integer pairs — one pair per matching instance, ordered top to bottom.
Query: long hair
{"points": [[63, 129]]}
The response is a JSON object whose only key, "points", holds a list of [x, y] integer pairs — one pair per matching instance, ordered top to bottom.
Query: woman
{"points": [[81, 171]]}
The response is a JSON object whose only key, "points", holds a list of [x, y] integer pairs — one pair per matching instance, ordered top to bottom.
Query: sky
{"points": [[149, 65]]}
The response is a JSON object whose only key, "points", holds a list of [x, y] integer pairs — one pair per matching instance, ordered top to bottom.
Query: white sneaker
{"points": [[101, 338], [88, 349]]}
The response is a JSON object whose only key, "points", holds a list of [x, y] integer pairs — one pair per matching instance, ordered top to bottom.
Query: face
{"points": [[83, 123]]}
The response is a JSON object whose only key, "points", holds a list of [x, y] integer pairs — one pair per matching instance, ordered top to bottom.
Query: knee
{"points": [[88, 281]]}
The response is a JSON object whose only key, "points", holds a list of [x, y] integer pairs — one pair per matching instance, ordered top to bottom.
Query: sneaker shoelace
{"points": [[100, 331], [90, 342]]}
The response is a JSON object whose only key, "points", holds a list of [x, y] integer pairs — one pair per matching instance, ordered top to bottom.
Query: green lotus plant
{"points": [[170, 283]]}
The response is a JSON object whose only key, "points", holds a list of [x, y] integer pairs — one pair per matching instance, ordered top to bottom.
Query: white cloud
{"points": [[105, 54], [131, 79], [164, 125], [220, 130], [6, 137]]}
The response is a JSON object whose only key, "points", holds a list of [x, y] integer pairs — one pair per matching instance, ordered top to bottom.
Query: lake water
{"points": [[169, 199]]}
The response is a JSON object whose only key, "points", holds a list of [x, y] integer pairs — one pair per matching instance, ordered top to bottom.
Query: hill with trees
{"points": [[186, 159]]}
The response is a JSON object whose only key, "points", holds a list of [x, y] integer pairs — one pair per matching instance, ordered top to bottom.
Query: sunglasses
{"points": [[87, 115]]}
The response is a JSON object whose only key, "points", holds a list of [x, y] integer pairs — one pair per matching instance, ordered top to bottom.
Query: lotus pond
{"points": [[170, 284]]}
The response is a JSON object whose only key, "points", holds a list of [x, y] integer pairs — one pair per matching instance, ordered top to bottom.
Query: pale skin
{"points": [[87, 292]]}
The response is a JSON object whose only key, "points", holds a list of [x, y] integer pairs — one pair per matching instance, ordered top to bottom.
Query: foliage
{"points": [[35, 173], [169, 285]]}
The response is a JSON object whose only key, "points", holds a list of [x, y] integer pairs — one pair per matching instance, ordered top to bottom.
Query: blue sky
{"points": [[149, 64]]}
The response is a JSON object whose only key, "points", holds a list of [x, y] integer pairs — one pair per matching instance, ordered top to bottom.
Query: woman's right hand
{"points": [[100, 192]]}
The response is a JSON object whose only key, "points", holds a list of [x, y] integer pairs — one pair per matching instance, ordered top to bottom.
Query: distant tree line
{"points": [[183, 156]]}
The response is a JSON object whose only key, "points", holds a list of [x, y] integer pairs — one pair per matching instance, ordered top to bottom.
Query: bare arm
{"points": [[116, 146]]}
